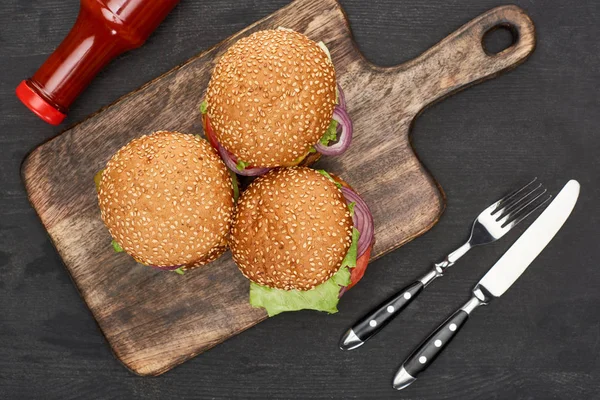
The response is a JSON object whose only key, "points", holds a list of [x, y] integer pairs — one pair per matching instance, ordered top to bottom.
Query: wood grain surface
{"points": [[154, 321], [540, 341]]}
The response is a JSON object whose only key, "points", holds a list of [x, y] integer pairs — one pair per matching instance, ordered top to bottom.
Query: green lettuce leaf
{"points": [[325, 49], [203, 107], [330, 134], [241, 165], [326, 175], [98, 179], [234, 183], [351, 208], [117, 247], [350, 259], [179, 271], [323, 297]]}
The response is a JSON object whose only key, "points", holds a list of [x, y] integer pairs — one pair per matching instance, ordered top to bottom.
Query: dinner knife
{"points": [[494, 283]]}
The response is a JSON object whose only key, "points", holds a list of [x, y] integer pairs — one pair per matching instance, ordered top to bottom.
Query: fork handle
{"points": [[374, 321]]}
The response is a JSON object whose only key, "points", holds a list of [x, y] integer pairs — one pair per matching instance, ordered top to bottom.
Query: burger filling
{"points": [[330, 136], [236, 187], [116, 246], [323, 297]]}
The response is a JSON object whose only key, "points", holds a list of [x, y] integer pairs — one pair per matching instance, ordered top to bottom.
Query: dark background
{"points": [[539, 341]]}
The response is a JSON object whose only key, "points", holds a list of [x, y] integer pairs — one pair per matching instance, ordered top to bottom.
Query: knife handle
{"points": [[379, 317], [427, 352]]}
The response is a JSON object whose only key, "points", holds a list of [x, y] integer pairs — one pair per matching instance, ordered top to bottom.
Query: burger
{"points": [[273, 101], [167, 200], [302, 237]]}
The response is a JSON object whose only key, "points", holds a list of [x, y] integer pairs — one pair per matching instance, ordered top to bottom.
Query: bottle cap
{"points": [[38, 104]]}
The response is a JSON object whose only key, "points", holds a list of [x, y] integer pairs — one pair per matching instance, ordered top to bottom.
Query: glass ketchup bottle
{"points": [[103, 30]]}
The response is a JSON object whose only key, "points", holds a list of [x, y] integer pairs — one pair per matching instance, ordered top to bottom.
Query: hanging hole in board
{"points": [[499, 38]]}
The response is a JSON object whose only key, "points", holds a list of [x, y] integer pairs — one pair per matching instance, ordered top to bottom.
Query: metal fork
{"points": [[489, 226]]}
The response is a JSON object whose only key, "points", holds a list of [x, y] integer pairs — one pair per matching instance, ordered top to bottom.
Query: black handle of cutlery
{"points": [[378, 318], [428, 351]]}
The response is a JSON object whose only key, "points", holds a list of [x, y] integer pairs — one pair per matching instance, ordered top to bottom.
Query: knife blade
{"points": [[522, 253], [494, 283]]}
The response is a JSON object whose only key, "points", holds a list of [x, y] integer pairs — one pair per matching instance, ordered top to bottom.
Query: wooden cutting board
{"points": [[153, 320]]}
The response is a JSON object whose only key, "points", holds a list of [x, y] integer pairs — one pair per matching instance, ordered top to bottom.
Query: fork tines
{"points": [[518, 205]]}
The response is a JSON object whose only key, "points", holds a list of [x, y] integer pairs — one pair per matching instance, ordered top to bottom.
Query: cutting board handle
{"points": [[460, 60]]}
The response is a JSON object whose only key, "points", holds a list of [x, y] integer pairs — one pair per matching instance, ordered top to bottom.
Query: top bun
{"points": [[271, 97], [167, 199], [292, 229]]}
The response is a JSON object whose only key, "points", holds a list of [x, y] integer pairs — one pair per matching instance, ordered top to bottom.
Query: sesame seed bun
{"points": [[271, 97], [167, 199], [292, 229]]}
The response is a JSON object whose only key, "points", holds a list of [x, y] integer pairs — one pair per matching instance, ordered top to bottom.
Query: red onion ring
{"points": [[341, 97], [209, 133], [344, 138], [229, 159], [231, 163], [252, 171], [363, 219], [343, 289]]}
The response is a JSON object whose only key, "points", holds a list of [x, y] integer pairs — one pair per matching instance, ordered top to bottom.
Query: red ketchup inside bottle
{"points": [[103, 30]]}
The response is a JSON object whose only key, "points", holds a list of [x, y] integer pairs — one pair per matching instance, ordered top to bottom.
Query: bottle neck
{"points": [[104, 29]]}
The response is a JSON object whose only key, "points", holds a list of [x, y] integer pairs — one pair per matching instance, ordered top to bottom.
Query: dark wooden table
{"points": [[540, 341]]}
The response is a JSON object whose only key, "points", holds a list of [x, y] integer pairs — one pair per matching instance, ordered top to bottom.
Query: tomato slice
{"points": [[362, 262], [358, 272]]}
